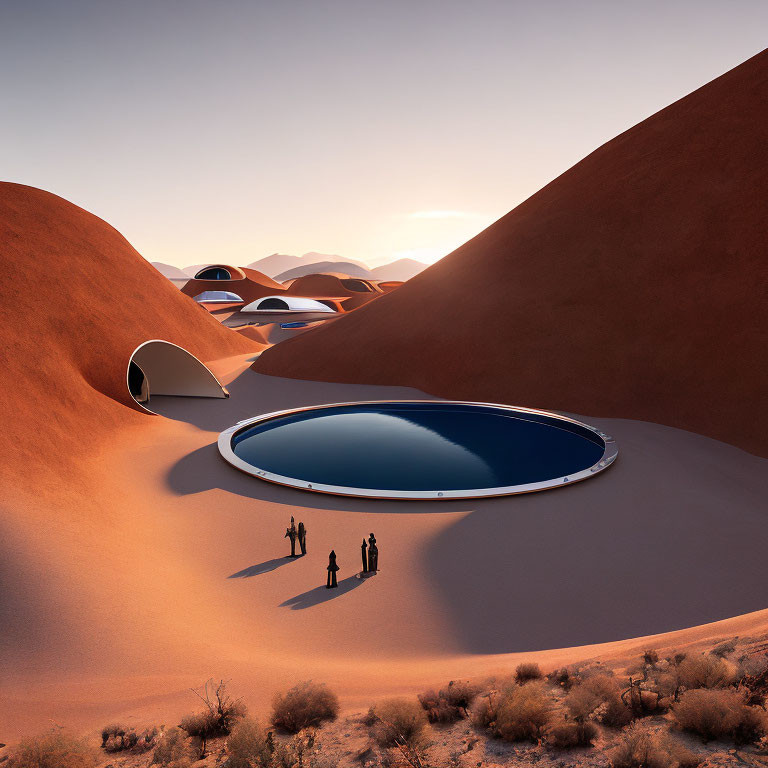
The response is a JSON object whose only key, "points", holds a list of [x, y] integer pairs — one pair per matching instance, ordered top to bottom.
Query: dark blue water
{"points": [[418, 447]]}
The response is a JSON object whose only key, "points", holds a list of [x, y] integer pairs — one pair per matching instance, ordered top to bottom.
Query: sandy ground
{"points": [[164, 566]]}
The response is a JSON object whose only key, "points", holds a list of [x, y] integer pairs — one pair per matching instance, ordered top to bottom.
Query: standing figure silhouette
{"points": [[332, 568]]}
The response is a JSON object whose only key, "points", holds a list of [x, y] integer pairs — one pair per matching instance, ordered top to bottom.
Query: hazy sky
{"points": [[222, 130]]}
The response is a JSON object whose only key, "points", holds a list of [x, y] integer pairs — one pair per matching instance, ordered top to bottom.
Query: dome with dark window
{"points": [[214, 273]]}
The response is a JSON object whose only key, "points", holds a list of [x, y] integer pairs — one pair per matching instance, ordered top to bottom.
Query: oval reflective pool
{"points": [[417, 449]]}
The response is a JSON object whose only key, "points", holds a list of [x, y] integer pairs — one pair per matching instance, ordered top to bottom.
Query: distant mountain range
{"points": [[277, 263], [318, 267], [402, 269], [171, 272]]}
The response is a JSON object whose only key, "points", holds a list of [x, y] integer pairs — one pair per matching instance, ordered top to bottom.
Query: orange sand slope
{"points": [[634, 285], [75, 300], [163, 566]]}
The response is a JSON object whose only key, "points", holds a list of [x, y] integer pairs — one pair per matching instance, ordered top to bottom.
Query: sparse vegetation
{"points": [[704, 671], [527, 672], [563, 678], [598, 697], [450, 703], [306, 704], [516, 713], [719, 714], [217, 719], [398, 720], [567, 734], [120, 738], [247, 746], [639, 747], [54, 749], [173, 750]]}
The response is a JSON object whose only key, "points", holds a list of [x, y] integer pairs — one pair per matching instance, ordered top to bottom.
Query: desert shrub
{"points": [[726, 648], [650, 657], [704, 671], [527, 672], [563, 678], [460, 693], [599, 697], [451, 703], [306, 704], [438, 710], [483, 712], [516, 713], [719, 714], [217, 719], [399, 721], [113, 731], [567, 734], [146, 739], [247, 746], [639, 747], [55, 749], [173, 750], [301, 751]]}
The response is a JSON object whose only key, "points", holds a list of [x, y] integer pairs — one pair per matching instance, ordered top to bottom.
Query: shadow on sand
{"points": [[251, 394], [205, 469], [265, 567], [322, 594]]}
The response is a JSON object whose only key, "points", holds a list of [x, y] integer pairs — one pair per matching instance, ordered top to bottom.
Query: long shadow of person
{"points": [[265, 567], [322, 594]]}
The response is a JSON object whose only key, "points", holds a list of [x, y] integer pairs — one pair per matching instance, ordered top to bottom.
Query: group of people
{"points": [[297, 534], [369, 549], [370, 562]]}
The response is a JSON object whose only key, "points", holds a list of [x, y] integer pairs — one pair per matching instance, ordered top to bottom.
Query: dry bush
{"points": [[726, 648], [650, 657], [704, 671], [527, 672], [563, 678], [460, 693], [599, 697], [451, 703], [306, 704], [437, 709], [516, 713], [719, 714], [217, 719], [399, 721], [113, 731], [568, 734], [120, 739], [247, 746], [639, 747], [55, 749], [173, 750], [302, 751]]}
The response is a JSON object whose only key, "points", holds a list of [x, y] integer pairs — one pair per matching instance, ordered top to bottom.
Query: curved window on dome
{"points": [[213, 273], [358, 286], [273, 303]]}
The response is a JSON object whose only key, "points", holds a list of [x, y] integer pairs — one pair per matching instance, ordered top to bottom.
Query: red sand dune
{"points": [[328, 285], [633, 285], [253, 286], [75, 300]]}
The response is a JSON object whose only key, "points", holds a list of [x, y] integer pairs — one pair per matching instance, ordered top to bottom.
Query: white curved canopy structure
{"points": [[217, 297], [286, 304], [159, 367]]}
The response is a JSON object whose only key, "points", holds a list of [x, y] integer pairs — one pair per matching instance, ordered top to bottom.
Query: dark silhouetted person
{"points": [[290, 533], [303, 538], [364, 548], [373, 554], [332, 568]]}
